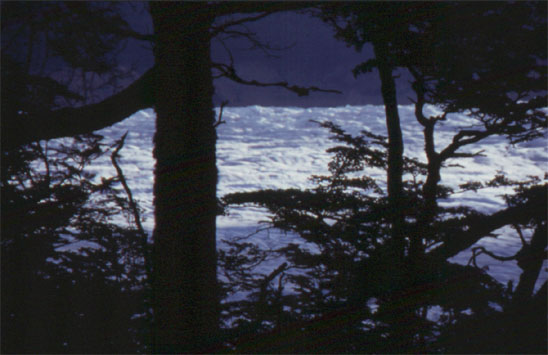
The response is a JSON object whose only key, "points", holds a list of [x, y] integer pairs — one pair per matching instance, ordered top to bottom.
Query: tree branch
{"points": [[223, 8], [221, 28], [135, 35], [251, 38], [229, 72], [220, 118], [67, 122], [24, 128], [459, 141], [469, 155], [121, 177], [480, 226], [481, 250], [530, 259], [272, 275]]}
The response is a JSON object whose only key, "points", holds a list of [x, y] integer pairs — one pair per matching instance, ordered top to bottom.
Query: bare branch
{"points": [[247, 7], [223, 27], [255, 42], [229, 72], [220, 118], [459, 141], [469, 155], [132, 204], [481, 226], [481, 250]]}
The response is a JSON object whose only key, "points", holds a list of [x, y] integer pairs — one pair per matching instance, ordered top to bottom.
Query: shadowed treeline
{"points": [[377, 277]]}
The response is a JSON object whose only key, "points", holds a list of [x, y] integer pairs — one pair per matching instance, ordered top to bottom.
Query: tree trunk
{"points": [[395, 146], [429, 210], [530, 259], [185, 295], [406, 323]]}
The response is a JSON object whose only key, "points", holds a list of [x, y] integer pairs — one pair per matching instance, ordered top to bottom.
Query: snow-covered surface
{"points": [[278, 147]]}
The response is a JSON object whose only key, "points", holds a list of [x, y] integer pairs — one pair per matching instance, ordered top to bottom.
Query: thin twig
{"points": [[221, 28], [220, 118], [122, 178]]}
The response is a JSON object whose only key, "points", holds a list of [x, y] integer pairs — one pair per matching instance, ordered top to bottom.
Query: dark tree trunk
{"points": [[395, 145], [427, 214], [426, 217], [184, 256], [530, 259], [406, 323]]}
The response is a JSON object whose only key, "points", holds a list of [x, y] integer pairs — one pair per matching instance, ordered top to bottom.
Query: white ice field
{"points": [[278, 147]]}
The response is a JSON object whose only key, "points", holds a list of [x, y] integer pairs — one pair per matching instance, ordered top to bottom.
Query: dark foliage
{"points": [[82, 35], [48, 45], [376, 263], [73, 276], [73, 281], [346, 293]]}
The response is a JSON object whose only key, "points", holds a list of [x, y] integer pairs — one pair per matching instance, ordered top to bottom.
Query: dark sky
{"points": [[309, 56], [314, 58]]}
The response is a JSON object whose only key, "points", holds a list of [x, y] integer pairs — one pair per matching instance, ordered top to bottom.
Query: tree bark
{"points": [[185, 297]]}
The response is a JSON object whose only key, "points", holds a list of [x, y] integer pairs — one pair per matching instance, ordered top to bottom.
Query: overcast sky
{"points": [[311, 56]]}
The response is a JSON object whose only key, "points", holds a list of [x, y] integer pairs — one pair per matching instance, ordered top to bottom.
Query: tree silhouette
{"points": [[392, 239], [390, 249], [72, 279], [185, 300]]}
